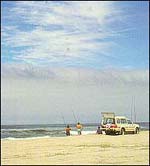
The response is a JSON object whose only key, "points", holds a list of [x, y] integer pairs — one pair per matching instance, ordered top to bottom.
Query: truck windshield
{"points": [[108, 121]]}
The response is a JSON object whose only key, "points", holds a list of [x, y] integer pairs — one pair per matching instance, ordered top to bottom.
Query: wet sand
{"points": [[77, 150]]}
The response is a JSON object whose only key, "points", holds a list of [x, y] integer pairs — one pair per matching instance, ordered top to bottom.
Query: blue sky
{"points": [[77, 34], [62, 53]]}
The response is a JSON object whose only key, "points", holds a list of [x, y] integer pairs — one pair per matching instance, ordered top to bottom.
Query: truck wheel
{"points": [[122, 131], [107, 132]]}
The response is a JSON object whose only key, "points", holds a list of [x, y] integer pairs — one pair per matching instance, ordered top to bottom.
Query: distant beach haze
{"points": [[36, 95]]}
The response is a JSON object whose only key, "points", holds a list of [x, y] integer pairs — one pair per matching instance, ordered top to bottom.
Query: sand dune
{"points": [[86, 149]]}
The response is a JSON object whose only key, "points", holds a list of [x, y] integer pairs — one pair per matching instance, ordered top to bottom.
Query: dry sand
{"points": [[75, 150]]}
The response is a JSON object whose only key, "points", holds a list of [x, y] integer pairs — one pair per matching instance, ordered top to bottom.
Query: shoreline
{"points": [[74, 133], [85, 149]]}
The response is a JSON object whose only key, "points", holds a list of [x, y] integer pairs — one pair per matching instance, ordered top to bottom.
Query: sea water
{"points": [[48, 130]]}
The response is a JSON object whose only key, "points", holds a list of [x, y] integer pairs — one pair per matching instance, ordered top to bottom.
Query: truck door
{"points": [[130, 125]]}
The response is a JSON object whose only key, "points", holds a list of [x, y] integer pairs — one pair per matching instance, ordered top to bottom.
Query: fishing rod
{"points": [[131, 107], [134, 111], [74, 116], [63, 119]]}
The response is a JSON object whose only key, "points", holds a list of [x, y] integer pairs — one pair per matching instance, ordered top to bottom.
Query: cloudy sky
{"points": [[83, 56]]}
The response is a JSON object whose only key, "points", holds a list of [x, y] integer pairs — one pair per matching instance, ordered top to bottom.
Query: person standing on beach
{"points": [[79, 128], [68, 130]]}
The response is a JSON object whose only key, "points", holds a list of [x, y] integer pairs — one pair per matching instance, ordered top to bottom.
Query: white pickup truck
{"points": [[112, 124]]}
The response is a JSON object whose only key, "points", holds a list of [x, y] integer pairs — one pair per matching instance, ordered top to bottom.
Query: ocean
{"points": [[13, 132]]}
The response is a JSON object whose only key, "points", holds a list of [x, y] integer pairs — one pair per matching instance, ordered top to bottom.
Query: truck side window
{"points": [[118, 120], [123, 121], [129, 122]]}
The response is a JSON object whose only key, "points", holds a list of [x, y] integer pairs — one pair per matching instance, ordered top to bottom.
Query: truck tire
{"points": [[107, 132]]}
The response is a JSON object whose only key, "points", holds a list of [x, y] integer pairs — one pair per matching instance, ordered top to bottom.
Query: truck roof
{"points": [[108, 114], [119, 117]]}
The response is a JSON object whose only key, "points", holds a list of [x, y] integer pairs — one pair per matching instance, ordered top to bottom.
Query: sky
{"points": [[72, 50]]}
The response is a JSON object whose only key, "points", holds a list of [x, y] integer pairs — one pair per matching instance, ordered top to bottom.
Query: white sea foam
{"points": [[26, 129], [83, 132], [48, 136], [29, 138]]}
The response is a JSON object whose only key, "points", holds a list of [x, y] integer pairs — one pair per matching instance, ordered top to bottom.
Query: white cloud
{"points": [[73, 29], [57, 32], [111, 77]]}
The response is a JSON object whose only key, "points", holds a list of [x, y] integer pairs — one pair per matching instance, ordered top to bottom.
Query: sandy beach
{"points": [[85, 149]]}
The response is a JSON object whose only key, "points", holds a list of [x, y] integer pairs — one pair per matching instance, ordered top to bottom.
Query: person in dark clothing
{"points": [[68, 130], [98, 130]]}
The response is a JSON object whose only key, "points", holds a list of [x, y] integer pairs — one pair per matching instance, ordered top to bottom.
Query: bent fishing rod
{"points": [[63, 119], [76, 119]]}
